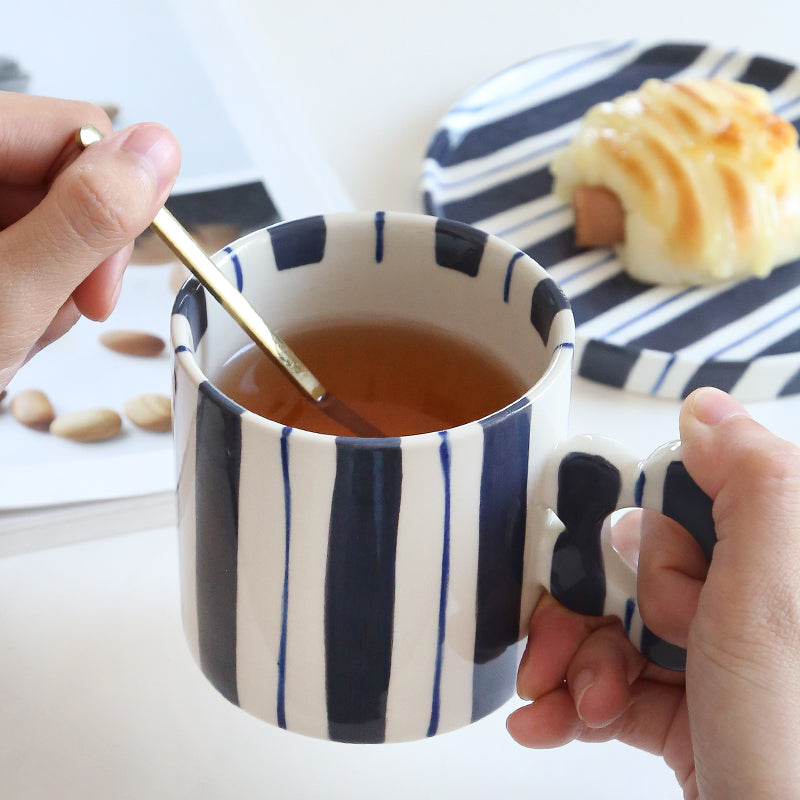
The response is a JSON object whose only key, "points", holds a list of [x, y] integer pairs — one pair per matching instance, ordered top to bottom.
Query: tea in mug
{"points": [[404, 378]]}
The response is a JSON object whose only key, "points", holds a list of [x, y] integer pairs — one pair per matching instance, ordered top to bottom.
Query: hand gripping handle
{"points": [[590, 478]]}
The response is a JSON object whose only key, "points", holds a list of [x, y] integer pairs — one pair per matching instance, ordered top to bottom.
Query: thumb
{"points": [[95, 206], [752, 476], [753, 479], [742, 677]]}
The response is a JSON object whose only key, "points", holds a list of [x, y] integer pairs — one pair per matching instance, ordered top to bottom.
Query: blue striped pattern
{"points": [[488, 165], [380, 223], [298, 242], [237, 267], [191, 304], [219, 442], [444, 455], [589, 488], [588, 491], [287, 508], [503, 516], [359, 587], [359, 590], [249, 642]]}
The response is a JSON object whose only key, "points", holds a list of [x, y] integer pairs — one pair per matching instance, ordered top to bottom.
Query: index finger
{"points": [[37, 135]]}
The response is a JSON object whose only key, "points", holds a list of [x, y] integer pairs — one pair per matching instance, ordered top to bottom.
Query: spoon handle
{"points": [[178, 239], [233, 301]]}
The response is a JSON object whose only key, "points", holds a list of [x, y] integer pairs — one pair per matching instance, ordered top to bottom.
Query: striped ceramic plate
{"points": [[488, 165]]}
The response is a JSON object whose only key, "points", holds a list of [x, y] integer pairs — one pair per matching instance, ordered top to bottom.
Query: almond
{"points": [[133, 343], [31, 407], [153, 412], [89, 425]]}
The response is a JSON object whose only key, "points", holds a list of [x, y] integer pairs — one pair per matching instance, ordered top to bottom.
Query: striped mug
{"points": [[377, 589]]}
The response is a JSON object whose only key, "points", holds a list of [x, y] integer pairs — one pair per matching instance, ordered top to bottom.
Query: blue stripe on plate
{"points": [[661, 61], [766, 73], [545, 79], [439, 146], [500, 197], [428, 206], [554, 248], [605, 296], [706, 318], [788, 344], [607, 363], [792, 386], [219, 451], [503, 503], [360, 586]]}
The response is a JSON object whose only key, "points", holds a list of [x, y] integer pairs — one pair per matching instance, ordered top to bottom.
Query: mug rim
{"points": [[185, 359]]}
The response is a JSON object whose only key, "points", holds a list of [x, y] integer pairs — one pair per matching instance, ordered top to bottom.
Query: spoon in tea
{"points": [[178, 239]]}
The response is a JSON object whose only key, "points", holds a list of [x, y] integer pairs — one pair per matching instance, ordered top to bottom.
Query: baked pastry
{"points": [[695, 181]]}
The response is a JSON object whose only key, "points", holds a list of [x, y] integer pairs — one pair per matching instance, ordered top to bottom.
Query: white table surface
{"points": [[98, 695]]}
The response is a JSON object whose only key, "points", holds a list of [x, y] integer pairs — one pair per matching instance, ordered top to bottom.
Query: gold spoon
{"points": [[178, 239]]}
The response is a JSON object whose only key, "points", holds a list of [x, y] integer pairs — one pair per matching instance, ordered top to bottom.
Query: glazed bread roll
{"points": [[696, 181]]}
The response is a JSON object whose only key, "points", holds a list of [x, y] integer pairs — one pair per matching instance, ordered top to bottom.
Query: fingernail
{"points": [[157, 149], [712, 406], [584, 681]]}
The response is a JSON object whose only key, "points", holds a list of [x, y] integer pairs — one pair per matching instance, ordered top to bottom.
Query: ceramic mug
{"points": [[371, 590]]}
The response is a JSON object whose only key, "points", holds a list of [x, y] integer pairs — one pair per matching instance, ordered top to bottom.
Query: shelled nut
{"points": [[133, 343], [32, 408], [153, 412], [88, 425]]}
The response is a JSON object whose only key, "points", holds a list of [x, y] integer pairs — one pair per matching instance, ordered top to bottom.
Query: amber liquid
{"points": [[403, 378]]}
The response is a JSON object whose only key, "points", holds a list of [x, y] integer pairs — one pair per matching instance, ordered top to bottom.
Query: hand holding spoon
{"points": [[178, 239]]}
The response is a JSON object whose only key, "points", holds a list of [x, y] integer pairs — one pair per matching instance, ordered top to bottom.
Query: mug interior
{"points": [[381, 267]]}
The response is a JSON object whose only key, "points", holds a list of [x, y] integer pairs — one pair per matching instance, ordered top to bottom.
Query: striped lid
{"points": [[488, 165]]}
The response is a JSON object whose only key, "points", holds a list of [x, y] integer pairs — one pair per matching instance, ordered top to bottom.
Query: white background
{"points": [[98, 696]]}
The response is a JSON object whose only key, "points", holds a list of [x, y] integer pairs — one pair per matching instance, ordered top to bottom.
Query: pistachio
{"points": [[133, 343], [31, 407], [153, 412], [88, 425]]}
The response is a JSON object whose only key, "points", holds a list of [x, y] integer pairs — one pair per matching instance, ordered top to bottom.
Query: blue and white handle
{"points": [[591, 478]]}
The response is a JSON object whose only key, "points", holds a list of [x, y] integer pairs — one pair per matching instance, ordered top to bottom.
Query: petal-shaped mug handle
{"points": [[590, 477]]}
